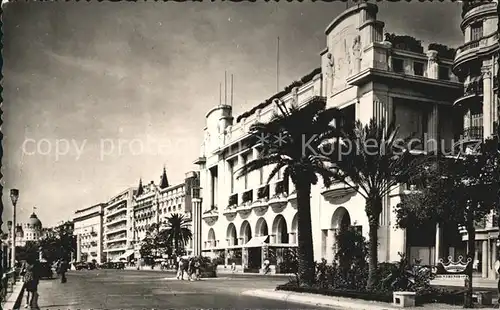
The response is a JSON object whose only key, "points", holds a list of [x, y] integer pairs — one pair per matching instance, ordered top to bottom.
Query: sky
{"points": [[120, 90]]}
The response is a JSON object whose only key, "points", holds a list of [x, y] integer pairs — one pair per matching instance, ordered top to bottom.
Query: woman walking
{"points": [[31, 280]]}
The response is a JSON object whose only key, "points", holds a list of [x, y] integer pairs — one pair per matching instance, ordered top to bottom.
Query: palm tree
{"points": [[300, 133], [373, 161], [177, 231]]}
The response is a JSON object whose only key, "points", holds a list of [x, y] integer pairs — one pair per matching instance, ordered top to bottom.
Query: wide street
{"points": [[131, 289]]}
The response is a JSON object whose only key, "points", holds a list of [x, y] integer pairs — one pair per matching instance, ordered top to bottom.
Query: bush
{"points": [[290, 263], [207, 267], [350, 281]]}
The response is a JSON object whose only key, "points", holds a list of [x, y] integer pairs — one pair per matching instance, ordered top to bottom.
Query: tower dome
{"points": [[34, 221]]}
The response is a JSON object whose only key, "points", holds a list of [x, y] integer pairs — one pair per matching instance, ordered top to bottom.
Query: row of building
{"points": [[433, 93], [113, 230]]}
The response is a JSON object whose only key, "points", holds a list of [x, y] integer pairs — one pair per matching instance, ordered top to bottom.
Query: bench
{"points": [[404, 299]]}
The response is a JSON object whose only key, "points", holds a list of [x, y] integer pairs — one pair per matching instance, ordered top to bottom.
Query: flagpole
{"points": [[278, 66]]}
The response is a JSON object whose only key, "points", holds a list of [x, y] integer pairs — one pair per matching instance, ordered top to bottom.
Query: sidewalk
{"points": [[14, 296], [337, 302]]}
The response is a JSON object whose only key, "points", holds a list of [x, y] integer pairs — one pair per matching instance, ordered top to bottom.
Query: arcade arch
{"points": [[261, 227], [280, 229], [245, 232], [232, 237]]}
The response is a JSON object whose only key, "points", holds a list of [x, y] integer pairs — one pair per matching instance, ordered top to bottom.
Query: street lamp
{"points": [[14, 196]]}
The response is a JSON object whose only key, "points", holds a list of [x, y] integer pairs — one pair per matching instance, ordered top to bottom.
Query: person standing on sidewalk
{"points": [[63, 268], [31, 280]]}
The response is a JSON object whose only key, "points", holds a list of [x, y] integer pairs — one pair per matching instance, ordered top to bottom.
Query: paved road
{"points": [[125, 289]]}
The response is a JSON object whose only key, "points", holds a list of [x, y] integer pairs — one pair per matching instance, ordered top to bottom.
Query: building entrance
{"points": [[254, 258]]}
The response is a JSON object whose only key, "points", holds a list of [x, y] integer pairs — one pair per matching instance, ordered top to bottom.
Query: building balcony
{"points": [[472, 8], [472, 49], [472, 90], [473, 133], [338, 193], [278, 201], [260, 205], [118, 210], [211, 216], [116, 220], [116, 229]]}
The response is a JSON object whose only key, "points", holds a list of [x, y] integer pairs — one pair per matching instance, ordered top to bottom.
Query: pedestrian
{"points": [[197, 266], [233, 266], [267, 267], [63, 268], [190, 269], [180, 273], [31, 279]]}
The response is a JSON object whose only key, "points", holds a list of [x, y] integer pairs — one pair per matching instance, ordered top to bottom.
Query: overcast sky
{"points": [[92, 74]]}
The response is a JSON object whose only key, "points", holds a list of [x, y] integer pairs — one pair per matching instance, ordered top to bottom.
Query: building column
{"points": [[432, 65], [487, 104], [433, 142], [197, 235], [272, 238], [292, 238], [330, 245], [439, 245], [78, 248], [226, 256], [244, 258], [493, 259], [484, 267]]}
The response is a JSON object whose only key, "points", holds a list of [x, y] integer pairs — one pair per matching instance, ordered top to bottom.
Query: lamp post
{"points": [[14, 196], [9, 242]]}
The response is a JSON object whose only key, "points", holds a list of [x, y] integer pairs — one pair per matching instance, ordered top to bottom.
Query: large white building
{"points": [[366, 75], [118, 224], [88, 229]]}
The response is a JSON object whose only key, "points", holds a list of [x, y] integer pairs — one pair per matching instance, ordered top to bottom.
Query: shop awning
{"points": [[256, 241], [125, 255]]}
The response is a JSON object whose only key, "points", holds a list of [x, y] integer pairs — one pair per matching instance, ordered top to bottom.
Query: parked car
{"points": [[85, 265], [113, 265]]}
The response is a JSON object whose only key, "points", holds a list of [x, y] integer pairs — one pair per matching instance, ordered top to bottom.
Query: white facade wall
{"points": [[352, 83], [88, 229]]}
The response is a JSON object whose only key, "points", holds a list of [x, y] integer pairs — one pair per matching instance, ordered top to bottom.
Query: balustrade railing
{"points": [[473, 132]]}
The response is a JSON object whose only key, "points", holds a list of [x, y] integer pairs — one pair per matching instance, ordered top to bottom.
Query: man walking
{"points": [[63, 268]]}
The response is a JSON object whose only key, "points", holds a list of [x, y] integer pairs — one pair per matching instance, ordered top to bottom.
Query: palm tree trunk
{"points": [[373, 210], [471, 252], [306, 268]]}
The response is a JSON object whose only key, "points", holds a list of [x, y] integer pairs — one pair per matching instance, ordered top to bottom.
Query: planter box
{"points": [[404, 299]]}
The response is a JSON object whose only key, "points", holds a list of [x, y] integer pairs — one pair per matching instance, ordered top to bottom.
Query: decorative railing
{"points": [[489, 40], [473, 88], [473, 132]]}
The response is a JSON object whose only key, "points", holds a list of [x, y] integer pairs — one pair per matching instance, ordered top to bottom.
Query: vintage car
{"points": [[113, 265]]}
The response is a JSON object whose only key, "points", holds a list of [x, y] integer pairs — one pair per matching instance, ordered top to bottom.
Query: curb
{"points": [[201, 279], [14, 300], [317, 300]]}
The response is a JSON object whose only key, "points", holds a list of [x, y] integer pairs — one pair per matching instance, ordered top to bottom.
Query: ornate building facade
{"points": [[477, 65], [364, 74], [153, 203], [30, 231]]}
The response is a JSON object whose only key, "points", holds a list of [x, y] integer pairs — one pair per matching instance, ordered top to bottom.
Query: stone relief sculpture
{"points": [[356, 51], [330, 71]]}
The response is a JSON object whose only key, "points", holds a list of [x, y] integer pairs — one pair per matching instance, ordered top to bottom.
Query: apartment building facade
{"points": [[477, 64], [364, 74], [118, 223], [88, 230]]}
